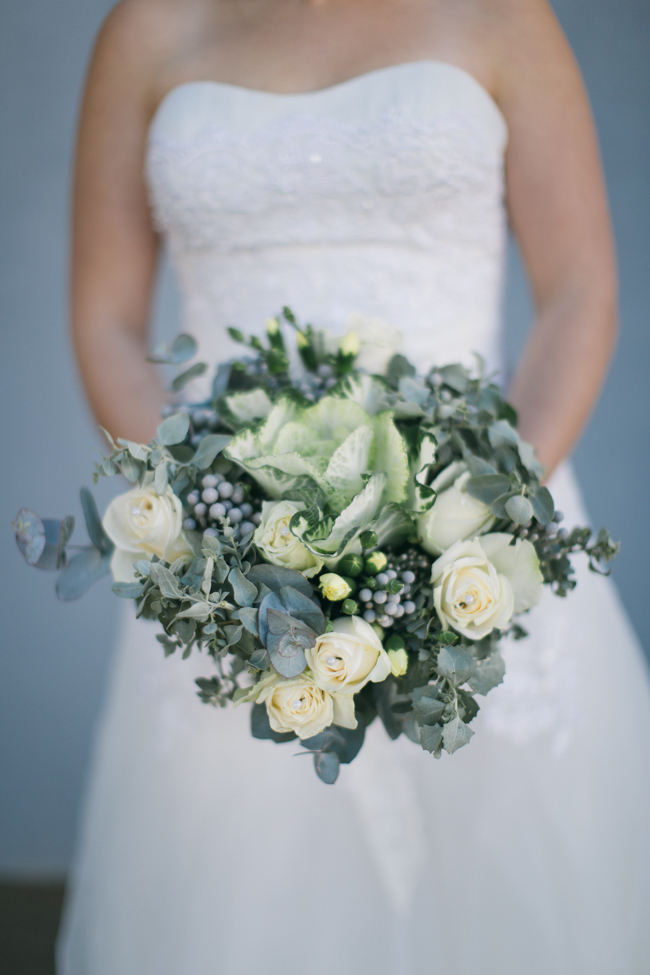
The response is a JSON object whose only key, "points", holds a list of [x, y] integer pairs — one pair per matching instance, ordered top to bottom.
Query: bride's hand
{"points": [[558, 211]]}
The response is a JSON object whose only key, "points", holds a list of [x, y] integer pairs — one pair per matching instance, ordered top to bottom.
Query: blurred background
{"points": [[55, 659]]}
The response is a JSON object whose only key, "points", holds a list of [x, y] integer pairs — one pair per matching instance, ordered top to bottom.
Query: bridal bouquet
{"points": [[345, 538]]}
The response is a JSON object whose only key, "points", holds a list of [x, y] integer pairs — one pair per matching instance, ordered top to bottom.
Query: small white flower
{"points": [[455, 514], [142, 523], [278, 544], [478, 585], [347, 657], [298, 705]]}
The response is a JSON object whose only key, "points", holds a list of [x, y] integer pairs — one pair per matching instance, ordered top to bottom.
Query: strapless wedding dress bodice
{"points": [[381, 195], [205, 851]]}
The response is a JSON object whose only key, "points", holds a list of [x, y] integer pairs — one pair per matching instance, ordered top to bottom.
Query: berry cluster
{"points": [[220, 499], [382, 588]]}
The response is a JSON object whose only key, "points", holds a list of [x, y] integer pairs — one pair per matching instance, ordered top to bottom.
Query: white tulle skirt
{"points": [[206, 852]]}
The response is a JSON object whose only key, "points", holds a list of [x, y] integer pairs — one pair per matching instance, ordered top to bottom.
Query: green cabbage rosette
{"points": [[348, 469]]}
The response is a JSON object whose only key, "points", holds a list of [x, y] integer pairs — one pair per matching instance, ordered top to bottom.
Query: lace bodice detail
{"points": [[381, 195]]}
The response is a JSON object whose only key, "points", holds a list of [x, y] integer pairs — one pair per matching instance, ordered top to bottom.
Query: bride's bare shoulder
{"points": [[139, 39]]}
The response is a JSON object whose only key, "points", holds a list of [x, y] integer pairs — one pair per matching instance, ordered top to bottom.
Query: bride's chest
{"points": [[389, 152]]}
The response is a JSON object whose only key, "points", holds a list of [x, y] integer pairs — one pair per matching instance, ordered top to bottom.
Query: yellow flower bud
{"points": [[272, 326], [301, 340], [350, 344], [376, 562], [334, 587], [399, 662]]}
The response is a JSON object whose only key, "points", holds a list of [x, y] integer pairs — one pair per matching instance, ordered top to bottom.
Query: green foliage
{"points": [[174, 429], [359, 455], [81, 571]]}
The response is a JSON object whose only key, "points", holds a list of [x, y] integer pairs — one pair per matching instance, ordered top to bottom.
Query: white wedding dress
{"points": [[206, 852]]}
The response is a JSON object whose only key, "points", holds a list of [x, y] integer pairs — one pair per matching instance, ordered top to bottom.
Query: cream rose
{"points": [[377, 342], [454, 515], [142, 523], [278, 544], [478, 585], [347, 657], [300, 706]]}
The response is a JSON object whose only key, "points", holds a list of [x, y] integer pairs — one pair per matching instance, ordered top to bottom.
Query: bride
{"points": [[348, 156]]}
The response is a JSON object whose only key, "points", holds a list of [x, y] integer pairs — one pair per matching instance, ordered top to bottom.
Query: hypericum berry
{"points": [[225, 489], [209, 495], [217, 511], [375, 562], [351, 565]]}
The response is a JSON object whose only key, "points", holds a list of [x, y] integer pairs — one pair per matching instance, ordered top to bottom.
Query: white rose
{"points": [[378, 342], [455, 514], [142, 523], [278, 544], [480, 584], [347, 657], [299, 705]]}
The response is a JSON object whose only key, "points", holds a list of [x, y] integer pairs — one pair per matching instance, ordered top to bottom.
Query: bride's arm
{"points": [[558, 210], [114, 246]]}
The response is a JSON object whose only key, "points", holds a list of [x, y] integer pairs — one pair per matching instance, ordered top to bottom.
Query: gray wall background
{"points": [[55, 658]]}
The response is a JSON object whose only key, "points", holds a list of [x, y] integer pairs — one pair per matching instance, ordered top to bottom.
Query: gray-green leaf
{"points": [[174, 429], [455, 734]]}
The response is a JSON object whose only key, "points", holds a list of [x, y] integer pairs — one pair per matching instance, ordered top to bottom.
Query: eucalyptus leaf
{"points": [[181, 350], [198, 369], [174, 429], [502, 434], [210, 446], [129, 467], [160, 478], [487, 487], [543, 505], [519, 509], [94, 526], [38, 539], [80, 572], [275, 577], [165, 580], [128, 590], [244, 591], [296, 604], [197, 611], [247, 615], [286, 641], [260, 659], [456, 664], [489, 673], [428, 710], [455, 734], [430, 737], [327, 765]]}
